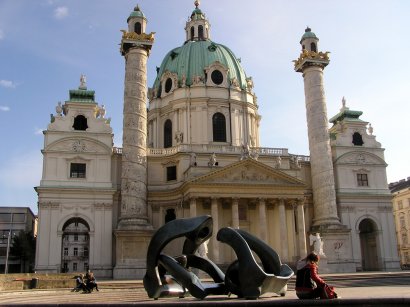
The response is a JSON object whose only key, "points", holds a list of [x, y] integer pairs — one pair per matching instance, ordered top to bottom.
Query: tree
{"points": [[23, 248]]}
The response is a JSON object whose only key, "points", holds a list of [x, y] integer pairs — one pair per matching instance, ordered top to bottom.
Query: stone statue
{"points": [[183, 81], [83, 82], [59, 109], [102, 111], [370, 129], [245, 151], [193, 159], [212, 160], [278, 162], [317, 243]]}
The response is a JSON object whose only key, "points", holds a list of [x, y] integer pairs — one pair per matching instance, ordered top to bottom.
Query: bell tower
{"points": [[134, 229]]}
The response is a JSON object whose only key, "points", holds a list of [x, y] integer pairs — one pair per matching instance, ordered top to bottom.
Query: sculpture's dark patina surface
{"points": [[172, 275]]}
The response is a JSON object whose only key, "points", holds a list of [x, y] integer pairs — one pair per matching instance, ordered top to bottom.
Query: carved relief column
{"points": [[312, 63], [192, 207], [134, 213], [235, 213], [214, 214], [262, 219], [301, 228], [283, 230]]}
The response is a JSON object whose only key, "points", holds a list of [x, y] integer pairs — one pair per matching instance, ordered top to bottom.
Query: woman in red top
{"points": [[309, 285]]}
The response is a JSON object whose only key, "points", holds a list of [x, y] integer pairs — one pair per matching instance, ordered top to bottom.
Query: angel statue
{"points": [[317, 243]]}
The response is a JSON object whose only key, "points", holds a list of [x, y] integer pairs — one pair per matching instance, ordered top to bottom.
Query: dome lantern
{"points": [[137, 21], [197, 27], [309, 40]]}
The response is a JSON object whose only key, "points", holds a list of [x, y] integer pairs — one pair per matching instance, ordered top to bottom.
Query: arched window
{"points": [[137, 28], [200, 32], [192, 33], [313, 47], [80, 123], [219, 127], [168, 133], [357, 139]]}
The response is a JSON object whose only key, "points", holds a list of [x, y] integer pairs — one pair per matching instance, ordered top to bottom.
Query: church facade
{"points": [[194, 149]]}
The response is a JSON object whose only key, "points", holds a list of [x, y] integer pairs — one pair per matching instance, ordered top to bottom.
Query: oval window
{"points": [[217, 77], [168, 85]]}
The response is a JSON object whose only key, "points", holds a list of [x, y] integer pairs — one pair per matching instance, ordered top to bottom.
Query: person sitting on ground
{"points": [[92, 282], [80, 284], [309, 285]]}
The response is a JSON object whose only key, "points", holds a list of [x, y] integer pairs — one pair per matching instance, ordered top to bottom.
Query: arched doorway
{"points": [[368, 245], [75, 246]]}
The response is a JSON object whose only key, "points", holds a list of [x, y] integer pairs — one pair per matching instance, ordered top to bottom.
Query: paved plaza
{"points": [[380, 290]]}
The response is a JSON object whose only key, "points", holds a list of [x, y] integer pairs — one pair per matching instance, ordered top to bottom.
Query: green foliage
{"points": [[23, 248]]}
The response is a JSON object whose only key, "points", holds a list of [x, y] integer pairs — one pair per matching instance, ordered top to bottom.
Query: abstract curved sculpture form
{"points": [[172, 276], [273, 276], [179, 279]]}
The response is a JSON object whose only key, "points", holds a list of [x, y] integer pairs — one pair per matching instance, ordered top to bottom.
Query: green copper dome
{"points": [[136, 13], [308, 34], [193, 57]]}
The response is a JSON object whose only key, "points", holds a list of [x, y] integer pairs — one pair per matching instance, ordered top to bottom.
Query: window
{"points": [[137, 28], [200, 32], [192, 33], [313, 47], [217, 77], [168, 85], [80, 123], [219, 127], [168, 134], [357, 139], [77, 170], [171, 173], [362, 180], [243, 212], [170, 215], [5, 217], [19, 217], [76, 237], [65, 251], [75, 251], [85, 252], [75, 266], [86, 266], [65, 267]]}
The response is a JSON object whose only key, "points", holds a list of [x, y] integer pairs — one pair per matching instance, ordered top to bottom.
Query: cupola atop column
{"points": [[137, 21], [197, 27], [309, 41], [310, 55]]}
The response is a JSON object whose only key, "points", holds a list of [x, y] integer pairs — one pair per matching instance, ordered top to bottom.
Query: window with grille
{"points": [[77, 170], [362, 180]]}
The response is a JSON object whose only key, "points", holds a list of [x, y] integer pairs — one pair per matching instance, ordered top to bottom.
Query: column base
{"points": [[134, 223], [336, 247], [131, 253]]}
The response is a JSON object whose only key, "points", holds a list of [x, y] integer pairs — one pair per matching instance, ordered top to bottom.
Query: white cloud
{"points": [[61, 12], [7, 83], [4, 108], [38, 131]]}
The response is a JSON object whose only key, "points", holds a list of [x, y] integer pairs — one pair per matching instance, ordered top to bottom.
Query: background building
{"points": [[195, 151], [401, 211], [14, 220]]}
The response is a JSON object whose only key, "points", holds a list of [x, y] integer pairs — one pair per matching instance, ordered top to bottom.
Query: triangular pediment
{"points": [[248, 172]]}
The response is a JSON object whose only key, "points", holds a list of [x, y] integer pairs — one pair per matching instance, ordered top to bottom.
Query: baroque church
{"points": [[191, 147]]}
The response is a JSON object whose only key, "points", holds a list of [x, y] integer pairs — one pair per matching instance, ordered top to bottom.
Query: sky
{"points": [[45, 45]]}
